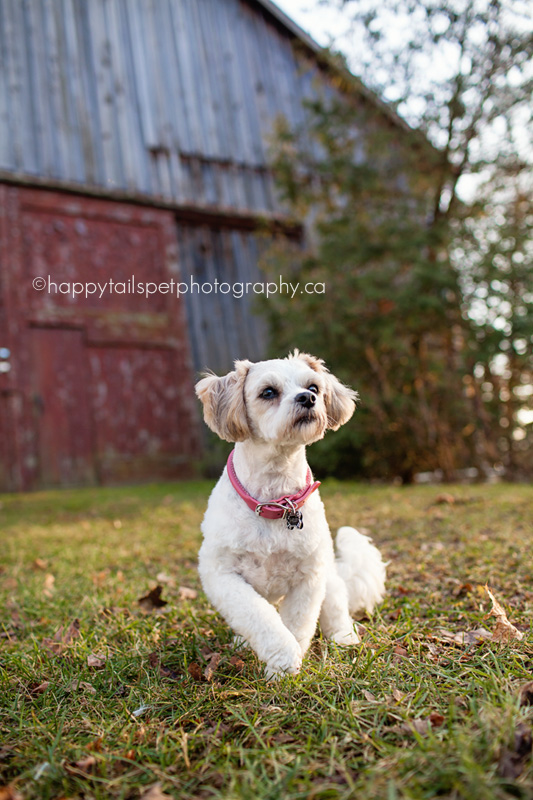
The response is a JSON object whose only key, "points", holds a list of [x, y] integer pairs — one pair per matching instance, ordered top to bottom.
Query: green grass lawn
{"points": [[134, 701]]}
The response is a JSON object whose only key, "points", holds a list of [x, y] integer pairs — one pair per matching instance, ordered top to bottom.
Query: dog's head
{"points": [[291, 400]]}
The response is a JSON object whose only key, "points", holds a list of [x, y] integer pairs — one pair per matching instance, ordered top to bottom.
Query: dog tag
{"points": [[294, 520]]}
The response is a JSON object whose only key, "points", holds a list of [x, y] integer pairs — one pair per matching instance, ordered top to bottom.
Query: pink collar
{"points": [[272, 509]]}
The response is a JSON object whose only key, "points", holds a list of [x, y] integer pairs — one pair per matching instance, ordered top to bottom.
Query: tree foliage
{"points": [[422, 237]]}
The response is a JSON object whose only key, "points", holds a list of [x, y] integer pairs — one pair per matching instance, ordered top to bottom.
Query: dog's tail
{"points": [[362, 569]]}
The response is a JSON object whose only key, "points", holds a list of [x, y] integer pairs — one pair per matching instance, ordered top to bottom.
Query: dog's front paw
{"points": [[345, 638], [285, 662]]}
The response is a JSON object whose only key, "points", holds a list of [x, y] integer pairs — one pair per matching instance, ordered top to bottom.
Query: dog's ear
{"points": [[316, 364], [339, 399], [223, 402]]}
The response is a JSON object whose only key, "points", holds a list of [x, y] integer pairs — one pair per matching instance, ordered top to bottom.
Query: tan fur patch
{"points": [[223, 402]]}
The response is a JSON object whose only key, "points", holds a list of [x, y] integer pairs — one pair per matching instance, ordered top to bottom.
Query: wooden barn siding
{"points": [[173, 99], [222, 326]]}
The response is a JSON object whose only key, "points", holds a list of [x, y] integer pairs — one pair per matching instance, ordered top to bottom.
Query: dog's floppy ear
{"points": [[339, 399], [223, 401], [340, 402]]}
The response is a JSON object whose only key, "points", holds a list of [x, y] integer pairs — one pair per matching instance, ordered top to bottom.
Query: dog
{"points": [[267, 561]]}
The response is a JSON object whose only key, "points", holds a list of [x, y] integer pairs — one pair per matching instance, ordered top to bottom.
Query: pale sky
{"points": [[320, 22]]}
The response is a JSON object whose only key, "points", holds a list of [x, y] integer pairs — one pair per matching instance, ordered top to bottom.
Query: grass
{"points": [[406, 715]]}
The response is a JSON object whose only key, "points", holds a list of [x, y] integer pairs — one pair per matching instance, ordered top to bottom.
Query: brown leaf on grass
{"points": [[444, 498], [40, 563], [164, 577], [99, 579], [49, 585], [463, 589], [186, 593], [152, 600], [504, 632], [464, 637], [62, 638], [399, 652], [96, 661], [237, 663], [210, 670], [195, 671], [165, 672], [77, 686], [39, 688], [526, 694], [397, 695], [368, 696], [420, 725], [216, 730], [96, 745], [513, 759], [84, 766], [155, 792], [9, 793]]}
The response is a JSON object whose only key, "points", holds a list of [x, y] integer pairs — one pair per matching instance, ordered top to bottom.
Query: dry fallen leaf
{"points": [[444, 498], [40, 563], [164, 577], [100, 578], [48, 585], [187, 594], [153, 600], [504, 631], [464, 637], [62, 638], [95, 661], [237, 663], [195, 671], [209, 671], [165, 672], [76, 686], [40, 688], [526, 694], [368, 696], [421, 725], [513, 759], [83, 766], [155, 792], [9, 793]]}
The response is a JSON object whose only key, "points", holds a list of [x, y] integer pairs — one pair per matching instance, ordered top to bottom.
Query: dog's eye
{"points": [[313, 388], [269, 393]]}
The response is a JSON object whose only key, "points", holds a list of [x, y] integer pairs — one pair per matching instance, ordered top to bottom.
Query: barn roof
{"points": [[290, 24], [170, 101]]}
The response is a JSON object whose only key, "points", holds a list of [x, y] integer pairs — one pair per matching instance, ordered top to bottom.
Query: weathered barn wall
{"points": [[174, 99], [163, 110], [223, 326], [96, 390]]}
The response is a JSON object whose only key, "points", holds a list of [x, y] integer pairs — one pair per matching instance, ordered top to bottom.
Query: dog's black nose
{"points": [[306, 399]]}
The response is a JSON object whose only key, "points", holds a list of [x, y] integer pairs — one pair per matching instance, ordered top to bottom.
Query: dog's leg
{"points": [[300, 609], [254, 619], [335, 619]]}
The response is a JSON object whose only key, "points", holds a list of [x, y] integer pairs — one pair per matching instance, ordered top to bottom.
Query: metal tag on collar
{"points": [[293, 517]]}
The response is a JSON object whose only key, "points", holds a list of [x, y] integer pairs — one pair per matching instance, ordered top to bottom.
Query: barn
{"points": [[133, 154]]}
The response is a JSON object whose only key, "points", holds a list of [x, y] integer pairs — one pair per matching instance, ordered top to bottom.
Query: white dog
{"points": [[266, 538]]}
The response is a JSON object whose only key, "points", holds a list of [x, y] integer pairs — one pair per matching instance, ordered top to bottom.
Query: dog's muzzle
{"points": [[306, 399]]}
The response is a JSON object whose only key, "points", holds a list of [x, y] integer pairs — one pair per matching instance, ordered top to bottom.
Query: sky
{"points": [[322, 23]]}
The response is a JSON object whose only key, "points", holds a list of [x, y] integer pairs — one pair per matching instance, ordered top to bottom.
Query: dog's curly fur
{"points": [[248, 564]]}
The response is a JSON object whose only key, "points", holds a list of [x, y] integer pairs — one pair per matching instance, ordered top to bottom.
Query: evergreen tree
{"points": [[425, 289]]}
